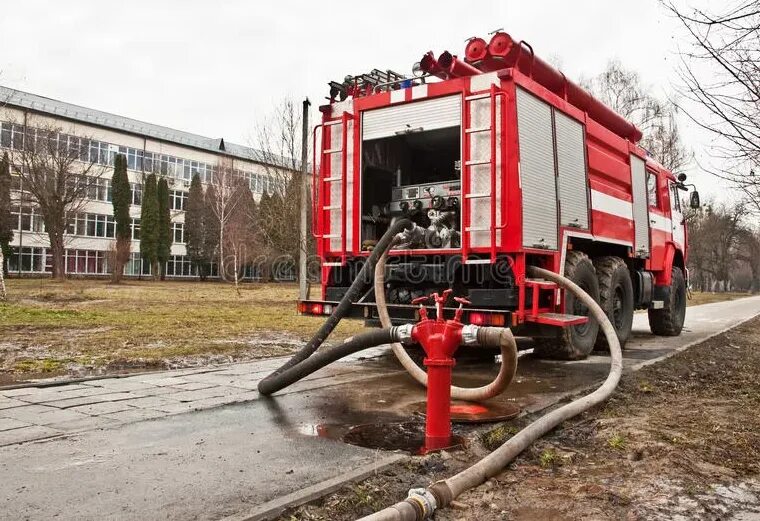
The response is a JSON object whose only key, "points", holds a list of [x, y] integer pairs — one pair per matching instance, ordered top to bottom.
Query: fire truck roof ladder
{"points": [[467, 172], [342, 178]]}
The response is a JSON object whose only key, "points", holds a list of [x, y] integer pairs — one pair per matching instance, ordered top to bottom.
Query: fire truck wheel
{"points": [[615, 298], [668, 321], [576, 342]]}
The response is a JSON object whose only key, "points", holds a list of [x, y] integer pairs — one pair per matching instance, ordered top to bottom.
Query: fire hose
{"points": [[506, 342], [422, 503]]}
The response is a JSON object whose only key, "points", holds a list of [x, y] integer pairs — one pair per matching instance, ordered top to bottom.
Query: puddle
{"points": [[400, 436], [407, 436]]}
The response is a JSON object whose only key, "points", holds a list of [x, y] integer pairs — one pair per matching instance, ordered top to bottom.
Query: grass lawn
{"points": [[700, 297], [89, 325]]}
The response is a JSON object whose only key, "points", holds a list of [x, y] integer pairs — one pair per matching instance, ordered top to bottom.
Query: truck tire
{"points": [[615, 298], [668, 321], [576, 342]]}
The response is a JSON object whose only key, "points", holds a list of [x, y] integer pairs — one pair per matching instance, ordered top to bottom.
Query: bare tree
{"points": [[720, 75], [621, 89], [278, 141], [57, 171], [227, 196], [240, 236], [720, 243]]}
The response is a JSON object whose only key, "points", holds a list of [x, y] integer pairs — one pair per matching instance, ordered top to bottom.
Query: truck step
{"points": [[475, 130], [478, 261], [557, 319]]}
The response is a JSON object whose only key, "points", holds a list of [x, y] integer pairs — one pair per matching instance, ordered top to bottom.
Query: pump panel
{"points": [[537, 172]]}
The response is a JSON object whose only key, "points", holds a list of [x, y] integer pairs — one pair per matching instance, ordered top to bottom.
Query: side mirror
{"points": [[682, 177], [694, 200]]}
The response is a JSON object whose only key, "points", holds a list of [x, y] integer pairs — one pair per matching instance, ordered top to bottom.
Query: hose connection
{"points": [[404, 333], [470, 335], [424, 502]]}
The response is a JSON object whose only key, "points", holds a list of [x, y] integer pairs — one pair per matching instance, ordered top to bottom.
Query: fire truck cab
{"points": [[501, 163]]}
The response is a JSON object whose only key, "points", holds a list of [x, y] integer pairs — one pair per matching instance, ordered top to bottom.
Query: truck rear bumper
{"points": [[405, 313]]}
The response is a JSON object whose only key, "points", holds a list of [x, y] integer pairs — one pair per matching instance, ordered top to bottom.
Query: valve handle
{"points": [[441, 297], [420, 300], [462, 301]]}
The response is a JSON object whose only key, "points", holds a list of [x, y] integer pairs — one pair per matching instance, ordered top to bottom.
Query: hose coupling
{"points": [[404, 333], [470, 335], [424, 502]]}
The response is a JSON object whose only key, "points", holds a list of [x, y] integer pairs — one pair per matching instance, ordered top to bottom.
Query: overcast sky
{"points": [[213, 68]]}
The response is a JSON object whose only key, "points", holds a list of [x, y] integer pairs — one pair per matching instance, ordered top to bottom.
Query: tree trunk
{"points": [[58, 253], [121, 257], [222, 271], [237, 287], [3, 294]]}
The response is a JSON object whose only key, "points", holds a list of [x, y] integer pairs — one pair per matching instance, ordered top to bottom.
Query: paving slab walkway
{"points": [[33, 413], [201, 443]]}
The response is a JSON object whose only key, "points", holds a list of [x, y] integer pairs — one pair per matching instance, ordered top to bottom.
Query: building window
{"points": [[12, 135], [100, 190], [136, 193], [178, 200], [28, 219], [93, 225], [135, 229], [178, 232], [29, 260], [88, 262], [135, 266], [180, 266]]}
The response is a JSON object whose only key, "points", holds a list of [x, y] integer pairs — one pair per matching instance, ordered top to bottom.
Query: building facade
{"points": [[100, 136]]}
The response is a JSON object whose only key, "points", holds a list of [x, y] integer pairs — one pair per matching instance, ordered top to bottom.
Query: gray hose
{"points": [[505, 341], [319, 360], [272, 382], [423, 502]]}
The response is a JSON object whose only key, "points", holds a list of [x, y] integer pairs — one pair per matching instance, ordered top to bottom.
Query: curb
{"points": [[272, 509]]}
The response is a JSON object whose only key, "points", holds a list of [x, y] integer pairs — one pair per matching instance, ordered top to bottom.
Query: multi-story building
{"points": [[149, 148]]}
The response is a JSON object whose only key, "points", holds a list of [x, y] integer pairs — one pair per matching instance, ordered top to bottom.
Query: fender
{"points": [[662, 278]]}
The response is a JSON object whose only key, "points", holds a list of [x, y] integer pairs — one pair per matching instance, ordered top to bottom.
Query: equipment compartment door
{"points": [[418, 116], [571, 171], [537, 172], [640, 207]]}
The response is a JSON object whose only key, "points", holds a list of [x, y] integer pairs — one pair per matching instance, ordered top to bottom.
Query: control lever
{"points": [[423, 309], [460, 310]]}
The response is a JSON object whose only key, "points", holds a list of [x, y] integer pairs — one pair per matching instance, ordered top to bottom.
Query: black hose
{"points": [[356, 343], [270, 384]]}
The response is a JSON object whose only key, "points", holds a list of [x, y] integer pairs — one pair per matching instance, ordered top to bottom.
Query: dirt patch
{"points": [[678, 440]]}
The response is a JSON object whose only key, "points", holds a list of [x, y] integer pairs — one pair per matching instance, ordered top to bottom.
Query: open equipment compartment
{"points": [[411, 166]]}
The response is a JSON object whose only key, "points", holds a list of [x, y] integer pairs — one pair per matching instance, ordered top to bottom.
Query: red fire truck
{"points": [[502, 163]]}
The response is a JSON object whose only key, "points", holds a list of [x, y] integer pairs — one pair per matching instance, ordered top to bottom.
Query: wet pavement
{"points": [[242, 452]]}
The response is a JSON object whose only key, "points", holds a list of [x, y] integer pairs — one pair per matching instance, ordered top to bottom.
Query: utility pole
{"points": [[303, 288]]}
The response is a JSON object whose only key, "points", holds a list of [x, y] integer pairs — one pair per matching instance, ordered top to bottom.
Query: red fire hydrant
{"points": [[439, 338]]}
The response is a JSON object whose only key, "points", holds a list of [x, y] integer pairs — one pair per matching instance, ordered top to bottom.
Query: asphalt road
{"points": [[243, 458]]}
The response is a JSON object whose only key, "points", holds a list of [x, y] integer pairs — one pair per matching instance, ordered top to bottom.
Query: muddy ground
{"points": [[678, 440]]}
